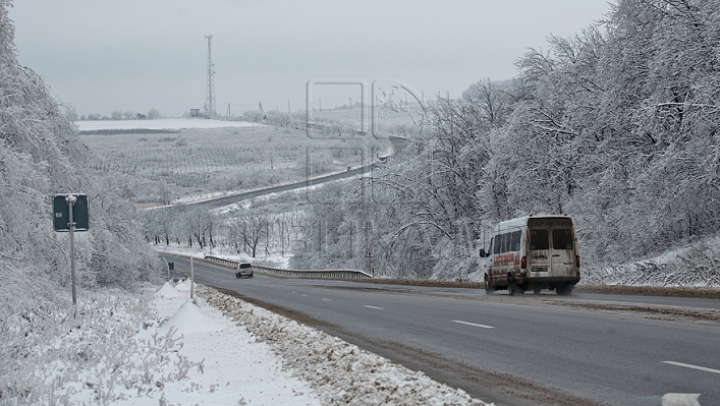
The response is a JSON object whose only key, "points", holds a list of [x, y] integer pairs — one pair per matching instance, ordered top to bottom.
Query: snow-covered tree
{"points": [[617, 126], [40, 155]]}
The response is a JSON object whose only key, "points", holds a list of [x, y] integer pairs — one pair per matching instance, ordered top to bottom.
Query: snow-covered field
{"points": [[159, 124], [192, 164], [150, 348]]}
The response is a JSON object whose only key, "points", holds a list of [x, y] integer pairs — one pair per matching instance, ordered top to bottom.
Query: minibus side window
{"points": [[562, 239], [539, 240], [515, 241], [506, 243], [498, 244]]}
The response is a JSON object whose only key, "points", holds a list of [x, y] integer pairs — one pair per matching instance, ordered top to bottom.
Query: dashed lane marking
{"points": [[327, 300], [374, 307], [467, 323], [680, 364]]}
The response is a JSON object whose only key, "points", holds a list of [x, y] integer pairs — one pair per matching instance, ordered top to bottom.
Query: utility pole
{"points": [[210, 109]]}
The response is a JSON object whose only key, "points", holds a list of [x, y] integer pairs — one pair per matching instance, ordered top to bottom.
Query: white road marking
{"points": [[304, 295], [327, 300], [374, 307], [472, 324], [680, 364], [681, 399]]}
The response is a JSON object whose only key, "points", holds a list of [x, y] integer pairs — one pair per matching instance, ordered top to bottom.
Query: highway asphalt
{"points": [[522, 350]]}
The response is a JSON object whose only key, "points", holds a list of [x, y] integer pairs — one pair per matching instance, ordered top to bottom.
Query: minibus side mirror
{"points": [[483, 254]]}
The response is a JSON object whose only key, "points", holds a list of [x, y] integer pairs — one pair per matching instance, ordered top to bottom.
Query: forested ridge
{"points": [[616, 126], [40, 155]]}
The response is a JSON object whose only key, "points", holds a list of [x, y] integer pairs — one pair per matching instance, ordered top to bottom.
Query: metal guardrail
{"points": [[221, 261], [333, 273], [336, 273]]}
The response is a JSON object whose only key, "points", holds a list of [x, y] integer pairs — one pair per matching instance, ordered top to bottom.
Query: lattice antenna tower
{"points": [[210, 109]]}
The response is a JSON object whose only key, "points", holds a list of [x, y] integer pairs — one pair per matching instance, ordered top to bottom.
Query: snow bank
{"points": [[159, 124], [183, 286], [167, 291], [190, 319], [235, 368], [341, 373]]}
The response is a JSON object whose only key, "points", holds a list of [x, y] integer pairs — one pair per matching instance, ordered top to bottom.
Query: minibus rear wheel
{"points": [[512, 286]]}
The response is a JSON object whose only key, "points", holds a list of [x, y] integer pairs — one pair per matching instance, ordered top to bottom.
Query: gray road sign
{"points": [[61, 213]]}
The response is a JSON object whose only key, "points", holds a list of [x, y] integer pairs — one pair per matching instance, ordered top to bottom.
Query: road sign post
{"points": [[70, 213], [71, 225], [369, 255], [168, 267]]}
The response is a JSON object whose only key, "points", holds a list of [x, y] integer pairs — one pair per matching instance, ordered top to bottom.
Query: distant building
{"points": [[194, 112]]}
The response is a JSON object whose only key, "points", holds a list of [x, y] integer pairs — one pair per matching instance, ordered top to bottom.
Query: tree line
{"points": [[151, 114], [616, 126], [40, 155], [258, 235]]}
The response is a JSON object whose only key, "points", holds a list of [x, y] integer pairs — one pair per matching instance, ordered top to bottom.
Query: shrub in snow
{"points": [[48, 355]]}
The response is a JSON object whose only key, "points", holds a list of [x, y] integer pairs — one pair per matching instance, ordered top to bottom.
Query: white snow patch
{"points": [[183, 286], [167, 291], [190, 319], [225, 365]]}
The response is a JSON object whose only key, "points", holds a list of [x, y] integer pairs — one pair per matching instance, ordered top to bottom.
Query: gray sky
{"points": [[105, 55]]}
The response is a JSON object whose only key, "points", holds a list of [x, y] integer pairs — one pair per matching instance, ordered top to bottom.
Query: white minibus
{"points": [[532, 253]]}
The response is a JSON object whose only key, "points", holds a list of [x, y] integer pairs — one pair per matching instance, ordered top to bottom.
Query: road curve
{"points": [[398, 145], [502, 349]]}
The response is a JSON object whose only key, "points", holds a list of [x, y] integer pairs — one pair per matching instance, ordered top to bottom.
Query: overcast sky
{"points": [[105, 55]]}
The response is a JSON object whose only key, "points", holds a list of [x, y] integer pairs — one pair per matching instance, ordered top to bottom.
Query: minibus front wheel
{"points": [[489, 289]]}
